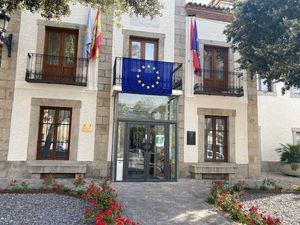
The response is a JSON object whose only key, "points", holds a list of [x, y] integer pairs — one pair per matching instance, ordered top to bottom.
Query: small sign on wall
{"points": [[87, 128], [191, 138], [160, 140]]}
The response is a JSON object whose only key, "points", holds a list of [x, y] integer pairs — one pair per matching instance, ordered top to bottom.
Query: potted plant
{"points": [[290, 159]]}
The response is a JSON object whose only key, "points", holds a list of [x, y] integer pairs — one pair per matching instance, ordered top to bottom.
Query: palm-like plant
{"points": [[289, 153]]}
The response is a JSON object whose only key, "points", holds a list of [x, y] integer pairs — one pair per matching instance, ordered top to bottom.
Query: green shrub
{"points": [[289, 153], [16, 187], [66, 189]]}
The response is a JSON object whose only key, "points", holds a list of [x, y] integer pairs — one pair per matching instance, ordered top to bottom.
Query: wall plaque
{"points": [[87, 128], [191, 138]]}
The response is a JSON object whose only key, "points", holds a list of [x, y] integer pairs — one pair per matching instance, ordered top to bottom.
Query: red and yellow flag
{"points": [[97, 36]]}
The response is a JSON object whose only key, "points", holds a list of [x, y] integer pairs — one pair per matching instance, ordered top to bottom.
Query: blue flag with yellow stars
{"points": [[147, 76]]}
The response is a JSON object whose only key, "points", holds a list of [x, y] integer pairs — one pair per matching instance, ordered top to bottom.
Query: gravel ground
{"points": [[284, 206], [41, 209]]}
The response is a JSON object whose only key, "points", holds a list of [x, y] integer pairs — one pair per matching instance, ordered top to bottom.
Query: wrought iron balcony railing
{"points": [[56, 69], [176, 74], [213, 82]]}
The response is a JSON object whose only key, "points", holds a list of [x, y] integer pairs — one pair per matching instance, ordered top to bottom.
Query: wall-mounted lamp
{"points": [[4, 19]]}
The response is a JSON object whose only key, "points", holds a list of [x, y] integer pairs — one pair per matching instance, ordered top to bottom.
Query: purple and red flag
{"points": [[195, 47]]}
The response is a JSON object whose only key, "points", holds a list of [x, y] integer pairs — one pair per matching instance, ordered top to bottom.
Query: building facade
{"points": [[220, 105], [56, 108], [138, 112], [278, 121]]}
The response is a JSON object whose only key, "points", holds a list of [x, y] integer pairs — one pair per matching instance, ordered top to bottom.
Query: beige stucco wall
{"points": [[211, 32], [24, 92], [228, 103], [277, 115]]}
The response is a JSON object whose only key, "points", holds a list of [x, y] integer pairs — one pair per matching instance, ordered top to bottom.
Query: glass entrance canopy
{"points": [[146, 107]]}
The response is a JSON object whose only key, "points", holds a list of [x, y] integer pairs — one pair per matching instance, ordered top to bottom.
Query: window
{"points": [[1, 48], [142, 48], [60, 54], [215, 67], [263, 86], [295, 90], [54, 133], [216, 136], [296, 136]]}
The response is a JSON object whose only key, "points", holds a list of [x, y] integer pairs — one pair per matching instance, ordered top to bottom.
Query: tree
{"points": [[57, 8], [266, 33]]}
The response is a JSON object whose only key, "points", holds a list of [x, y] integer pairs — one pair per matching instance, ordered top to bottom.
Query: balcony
{"points": [[56, 69], [177, 72], [223, 83]]}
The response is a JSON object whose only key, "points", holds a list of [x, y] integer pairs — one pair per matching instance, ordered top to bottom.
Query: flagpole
{"points": [[189, 68]]}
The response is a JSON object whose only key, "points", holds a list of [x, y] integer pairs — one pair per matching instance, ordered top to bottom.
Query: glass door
{"points": [[60, 54], [215, 68], [136, 151], [147, 152], [156, 152]]}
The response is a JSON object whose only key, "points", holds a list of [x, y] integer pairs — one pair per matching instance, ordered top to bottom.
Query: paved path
{"points": [[169, 203]]}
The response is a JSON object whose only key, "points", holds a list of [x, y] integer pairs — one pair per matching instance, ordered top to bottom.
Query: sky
{"points": [[199, 1]]}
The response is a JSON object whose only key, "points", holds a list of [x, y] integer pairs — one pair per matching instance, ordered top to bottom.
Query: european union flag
{"points": [[147, 76]]}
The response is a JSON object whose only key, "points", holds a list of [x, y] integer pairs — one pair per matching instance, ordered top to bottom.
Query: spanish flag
{"points": [[97, 36]]}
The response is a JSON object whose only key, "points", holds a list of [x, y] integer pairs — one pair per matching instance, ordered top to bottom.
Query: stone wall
{"points": [[179, 57], [7, 82], [254, 155], [100, 165]]}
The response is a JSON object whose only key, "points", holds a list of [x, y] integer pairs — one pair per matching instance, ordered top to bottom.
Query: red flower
{"points": [[13, 181], [218, 183], [253, 209], [87, 211], [108, 213], [99, 216], [277, 220]]}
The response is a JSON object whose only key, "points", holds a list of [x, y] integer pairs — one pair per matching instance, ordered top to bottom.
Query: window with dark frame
{"points": [[143, 48], [60, 54], [215, 67], [54, 133], [216, 139]]}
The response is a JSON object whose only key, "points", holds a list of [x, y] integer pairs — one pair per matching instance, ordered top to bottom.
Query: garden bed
{"points": [[95, 203], [267, 204], [282, 205]]}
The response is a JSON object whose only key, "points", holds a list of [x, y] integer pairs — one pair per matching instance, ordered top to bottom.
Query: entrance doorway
{"points": [[145, 138], [149, 151], [146, 152]]}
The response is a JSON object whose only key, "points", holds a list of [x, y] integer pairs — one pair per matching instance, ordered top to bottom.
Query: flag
{"points": [[88, 36], [96, 40], [195, 47], [147, 76]]}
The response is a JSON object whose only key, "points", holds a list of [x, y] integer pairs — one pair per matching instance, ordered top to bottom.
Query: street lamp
{"points": [[4, 19]]}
